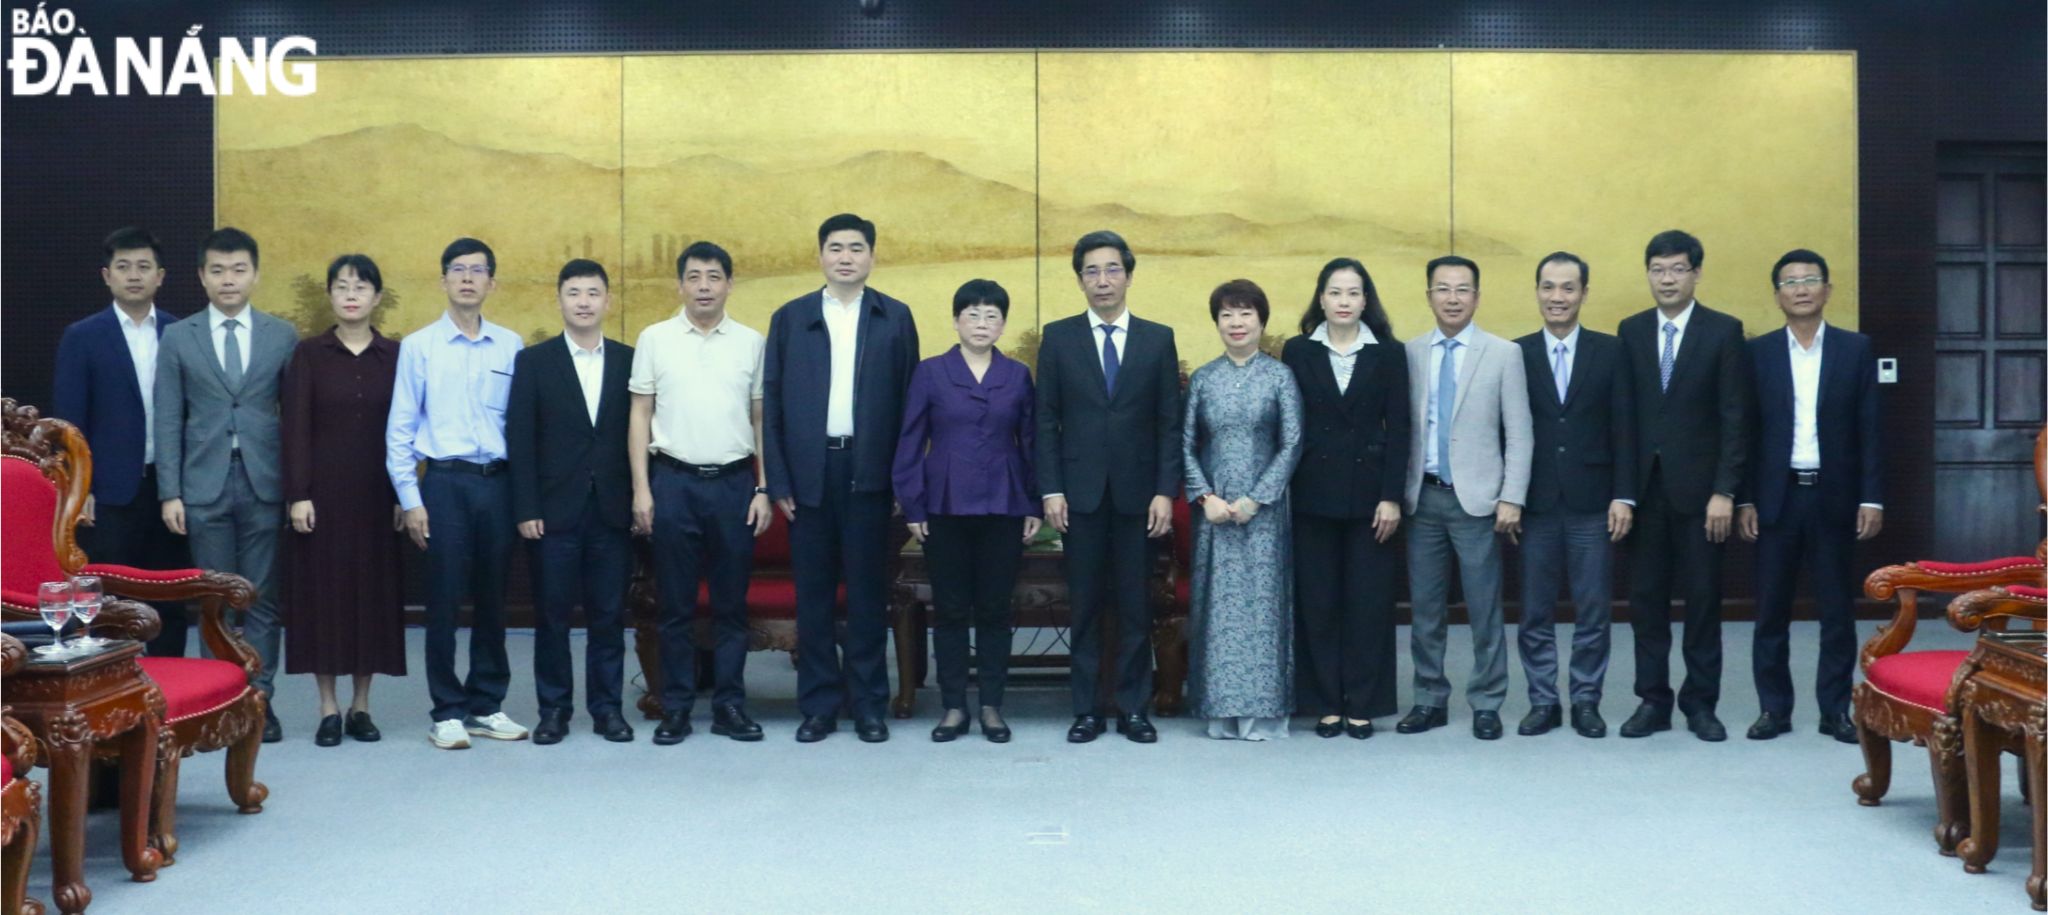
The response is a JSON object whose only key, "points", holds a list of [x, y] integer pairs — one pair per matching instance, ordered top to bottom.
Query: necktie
{"points": [[233, 349], [1670, 355], [1109, 360], [1560, 371], [1446, 401]]}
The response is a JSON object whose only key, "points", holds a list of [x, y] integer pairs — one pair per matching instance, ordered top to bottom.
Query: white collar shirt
{"points": [[141, 338]]}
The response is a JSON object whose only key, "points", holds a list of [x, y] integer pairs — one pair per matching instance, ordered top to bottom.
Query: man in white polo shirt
{"points": [[698, 487]]}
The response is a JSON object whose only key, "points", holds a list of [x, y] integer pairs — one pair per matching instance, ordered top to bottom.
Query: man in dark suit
{"points": [[833, 379], [106, 386], [1692, 393], [1109, 463], [1815, 488], [1582, 491], [572, 495]]}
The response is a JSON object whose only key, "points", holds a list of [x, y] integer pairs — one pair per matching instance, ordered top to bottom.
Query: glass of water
{"points": [[53, 598], [86, 598]]}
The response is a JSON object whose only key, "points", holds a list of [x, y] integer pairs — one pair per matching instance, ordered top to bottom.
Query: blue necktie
{"points": [[1670, 356], [1109, 360], [1446, 401]]}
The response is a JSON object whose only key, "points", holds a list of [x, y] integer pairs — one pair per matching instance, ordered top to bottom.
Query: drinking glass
{"points": [[86, 597], [54, 599]]}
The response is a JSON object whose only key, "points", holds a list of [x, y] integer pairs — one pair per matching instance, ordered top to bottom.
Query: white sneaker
{"points": [[495, 726], [447, 734]]}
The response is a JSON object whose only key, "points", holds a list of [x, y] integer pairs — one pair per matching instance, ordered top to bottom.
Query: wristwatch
{"points": [[760, 490]]}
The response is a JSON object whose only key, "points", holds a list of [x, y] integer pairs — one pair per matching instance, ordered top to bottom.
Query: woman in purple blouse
{"points": [[964, 478]]}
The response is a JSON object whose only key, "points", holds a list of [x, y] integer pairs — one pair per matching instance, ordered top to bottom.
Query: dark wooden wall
{"points": [[1929, 73]]}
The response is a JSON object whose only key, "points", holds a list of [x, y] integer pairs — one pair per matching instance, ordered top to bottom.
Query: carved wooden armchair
{"points": [[45, 474], [1905, 695], [21, 800]]}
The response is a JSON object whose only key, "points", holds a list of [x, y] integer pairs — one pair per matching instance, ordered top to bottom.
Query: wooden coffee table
{"points": [[2004, 700], [78, 705]]}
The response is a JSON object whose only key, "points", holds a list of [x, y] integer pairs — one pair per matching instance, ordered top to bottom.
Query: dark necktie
{"points": [[1109, 360]]}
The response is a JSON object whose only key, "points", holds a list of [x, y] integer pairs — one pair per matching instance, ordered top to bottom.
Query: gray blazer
{"points": [[193, 404], [1492, 404]]}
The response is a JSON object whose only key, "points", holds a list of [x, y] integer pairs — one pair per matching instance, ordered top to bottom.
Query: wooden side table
{"points": [[2003, 693], [74, 704]]}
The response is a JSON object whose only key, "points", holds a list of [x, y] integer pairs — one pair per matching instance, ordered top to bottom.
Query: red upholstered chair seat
{"points": [[29, 501], [1977, 568], [109, 570], [2028, 591], [767, 598], [1916, 677], [194, 686]]}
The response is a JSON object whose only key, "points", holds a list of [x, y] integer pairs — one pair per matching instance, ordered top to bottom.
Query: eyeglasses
{"points": [[479, 271], [1112, 271], [1676, 272], [1799, 281], [1460, 291], [973, 319]]}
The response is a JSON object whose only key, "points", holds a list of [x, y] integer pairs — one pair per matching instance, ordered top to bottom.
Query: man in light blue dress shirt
{"points": [[445, 449]]}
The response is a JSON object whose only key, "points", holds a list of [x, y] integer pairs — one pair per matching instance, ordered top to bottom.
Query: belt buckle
{"points": [[838, 442], [707, 472], [1806, 477]]}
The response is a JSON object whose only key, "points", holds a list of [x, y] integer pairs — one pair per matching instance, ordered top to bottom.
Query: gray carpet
{"points": [[1431, 823]]}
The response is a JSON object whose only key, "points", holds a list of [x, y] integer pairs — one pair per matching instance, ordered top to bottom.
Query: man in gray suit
{"points": [[218, 458], [1465, 485]]}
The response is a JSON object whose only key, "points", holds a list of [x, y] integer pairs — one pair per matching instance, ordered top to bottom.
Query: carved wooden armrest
{"points": [[1905, 582], [212, 591], [1971, 611], [127, 619], [17, 743]]}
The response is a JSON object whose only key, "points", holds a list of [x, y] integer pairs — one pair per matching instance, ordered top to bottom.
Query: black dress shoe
{"points": [[1422, 718], [1648, 719], [730, 720], [1540, 720], [1587, 721], [1486, 725], [1769, 725], [612, 726], [552, 727], [1706, 727], [1841, 727], [361, 728], [673, 728], [816, 728], [1137, 728], [1330, 728], [871, 729], [1085, 729], [1358, 730], [273, 732], [998, 732], [947, 733], [329, 734]]}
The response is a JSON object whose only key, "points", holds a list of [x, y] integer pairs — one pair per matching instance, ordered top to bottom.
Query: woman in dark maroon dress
{"points": [[345, 612]]}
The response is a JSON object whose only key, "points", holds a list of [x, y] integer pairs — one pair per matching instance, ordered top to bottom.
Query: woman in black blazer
{"points": [[1347, 496]]}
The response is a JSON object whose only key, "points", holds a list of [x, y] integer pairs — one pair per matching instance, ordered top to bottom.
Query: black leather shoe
{"points": [[1422, 718], [1648, 719], [731, 720], [1540, 720], [1587, 721], [1486, 725], [1769, 725], [612, 726], [552, 727], [674, 727], [1706, 727], [1841, 727], [361, 728], [816, 728], [1137, 728], [1330, 728], [871, 729], [1085, 729], [1358, 730], [273, 732], [998, 732], [945, 733], [329, 734]]}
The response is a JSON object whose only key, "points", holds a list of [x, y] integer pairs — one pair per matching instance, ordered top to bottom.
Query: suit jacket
{"points": [[796, 385], [96, 390], [194, 406], [1846, 421], [1695, 435], [1490, 442], [1354, 443], [968, 446], [1585, 449], [1104, 451], [554, 453]]}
